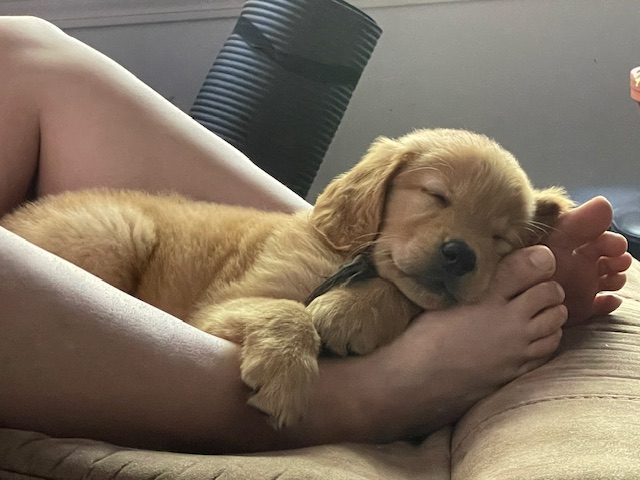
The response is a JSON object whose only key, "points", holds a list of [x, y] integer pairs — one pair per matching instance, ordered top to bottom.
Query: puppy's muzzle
{"points": [[457, 258], [448, 266]]}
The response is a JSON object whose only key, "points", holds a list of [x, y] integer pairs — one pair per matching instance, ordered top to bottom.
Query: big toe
{"points": [[582, 224], [523, 269]]}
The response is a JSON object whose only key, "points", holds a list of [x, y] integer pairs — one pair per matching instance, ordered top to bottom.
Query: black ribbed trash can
{"points": [[279, 87]]}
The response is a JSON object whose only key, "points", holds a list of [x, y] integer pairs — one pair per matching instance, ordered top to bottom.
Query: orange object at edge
{"points": [[635, 84]]}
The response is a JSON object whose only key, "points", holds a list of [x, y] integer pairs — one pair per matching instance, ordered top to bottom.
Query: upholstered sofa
{"points": [[578, 417]]}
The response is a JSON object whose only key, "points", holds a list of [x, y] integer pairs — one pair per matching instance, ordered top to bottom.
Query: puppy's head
{"points": [[438, 209]]}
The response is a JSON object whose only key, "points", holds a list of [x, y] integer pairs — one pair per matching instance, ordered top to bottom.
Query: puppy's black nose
{"points": [[457, 257]]}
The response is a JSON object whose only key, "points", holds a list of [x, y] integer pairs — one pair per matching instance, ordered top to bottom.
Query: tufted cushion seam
{"points": [[480, 425], [13, 474]]}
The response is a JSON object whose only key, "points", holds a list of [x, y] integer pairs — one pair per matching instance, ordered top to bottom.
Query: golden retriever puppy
{"points": [[424, 220]]}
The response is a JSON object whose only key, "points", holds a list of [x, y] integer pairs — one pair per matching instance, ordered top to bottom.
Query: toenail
{"points": [[541, 259], [560, 290]]}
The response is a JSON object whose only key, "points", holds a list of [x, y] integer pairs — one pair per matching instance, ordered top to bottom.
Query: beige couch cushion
{"points": [[29, 455]]}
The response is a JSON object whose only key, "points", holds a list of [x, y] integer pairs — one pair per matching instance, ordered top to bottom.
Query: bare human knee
{"points": [[19, 35], [24, 48], [36, 53], [43, 71]]}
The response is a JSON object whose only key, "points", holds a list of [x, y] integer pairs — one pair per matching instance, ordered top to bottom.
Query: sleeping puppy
{"points": [[420, 222]]}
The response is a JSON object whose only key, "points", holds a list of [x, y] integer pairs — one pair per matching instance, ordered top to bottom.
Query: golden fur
{"points": [[435, 209]]}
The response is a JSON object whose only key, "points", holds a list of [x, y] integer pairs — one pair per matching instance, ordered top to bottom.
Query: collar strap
{"points": [[359, 269]]}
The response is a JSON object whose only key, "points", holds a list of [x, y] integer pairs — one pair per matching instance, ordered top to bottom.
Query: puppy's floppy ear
{"points": [[550, 203], [349, 211]]}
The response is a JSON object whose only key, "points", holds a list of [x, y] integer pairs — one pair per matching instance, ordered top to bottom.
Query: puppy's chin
{"points": [[431, 291], [438, 294], [437, 297], [433, 298]]}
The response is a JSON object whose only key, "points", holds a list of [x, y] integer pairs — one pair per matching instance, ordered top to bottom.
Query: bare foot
{"points": [[590, 260], [447, 360]]}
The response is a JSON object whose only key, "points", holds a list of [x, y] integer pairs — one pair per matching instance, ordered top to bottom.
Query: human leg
{"points": [[79, 120], [84, 121], [19, 130]]}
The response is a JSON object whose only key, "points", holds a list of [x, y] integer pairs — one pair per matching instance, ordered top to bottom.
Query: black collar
{"points": [[359, 268]]}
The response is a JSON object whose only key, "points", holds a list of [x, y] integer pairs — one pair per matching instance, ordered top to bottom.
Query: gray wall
{"points": [[546, 78]]}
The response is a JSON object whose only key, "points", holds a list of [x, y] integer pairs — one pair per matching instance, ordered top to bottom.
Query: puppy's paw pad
{"points": [[281, 386], [282, 412]]}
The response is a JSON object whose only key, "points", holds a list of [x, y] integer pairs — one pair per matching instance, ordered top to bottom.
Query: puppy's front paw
{"points": [[361, 317], [344, 325], [279, 356], [281, 384]]}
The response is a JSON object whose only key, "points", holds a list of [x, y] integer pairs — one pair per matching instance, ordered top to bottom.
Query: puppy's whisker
{"points": [[445, 165], [421, 168], [537, 223], [537, 226], [542, 227], [532, 231], [372, 234], [387, 237], [519, 239], [364, 243]]}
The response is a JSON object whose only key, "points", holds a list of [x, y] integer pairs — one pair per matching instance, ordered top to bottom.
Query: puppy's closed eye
{"points": [[438, 194], [441, 199]]}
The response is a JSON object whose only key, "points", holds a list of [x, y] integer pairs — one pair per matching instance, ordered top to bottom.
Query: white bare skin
{"points": [[80, 358]]}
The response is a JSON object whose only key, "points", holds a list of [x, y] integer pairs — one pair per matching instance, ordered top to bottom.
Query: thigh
{"points": [[92, 123], [19, 131]]}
